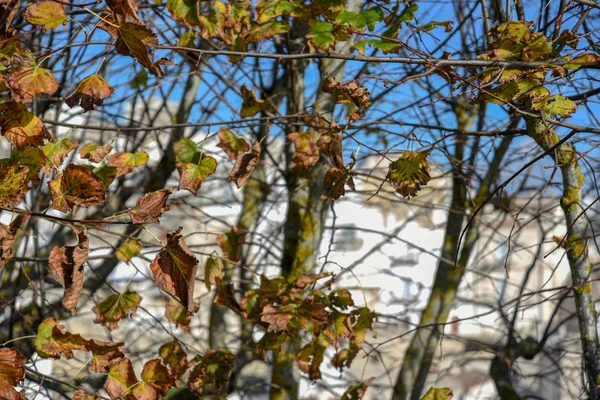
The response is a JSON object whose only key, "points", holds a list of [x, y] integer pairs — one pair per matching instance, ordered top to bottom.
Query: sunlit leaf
{"points": [[185, 11], [47, 13], [321, 35], [26, 79], [90, 92], [21, 127], [232, 144], [57, 151], [306, 151], [94, 152], [125, 162], [409, 172], [192, 175], [14, 183], [76, 187], [150, 207], [129, 249], [117, 307], [178, 314], [52, 340], [103, 353], [174, 356], [12, 373], [120, 379], [155, 383], [438, 394]]}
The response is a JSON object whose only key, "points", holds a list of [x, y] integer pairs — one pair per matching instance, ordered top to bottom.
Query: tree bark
{"points": [[576, 246]]}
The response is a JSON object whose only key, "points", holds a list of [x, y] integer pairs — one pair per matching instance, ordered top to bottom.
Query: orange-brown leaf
{"points": [[49, 14], [26, 79], [90, 92], [21, 127], [232, 144], [94, 152], [307, 152], [125, 162], [244, 166], [192, 175], [76, 187], [150, 206], [8, 235], [174, 269], [178, 314], [52, 340], [103, 353], [172, 353], [214, 371], [12, 373], [120, 378], [156, 381], [81, 394]]}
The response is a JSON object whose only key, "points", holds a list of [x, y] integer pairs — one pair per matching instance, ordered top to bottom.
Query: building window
{"points": [[348, 240]]}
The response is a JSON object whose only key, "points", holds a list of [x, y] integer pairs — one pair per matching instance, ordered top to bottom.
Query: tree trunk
{"points": [[577, 226]]}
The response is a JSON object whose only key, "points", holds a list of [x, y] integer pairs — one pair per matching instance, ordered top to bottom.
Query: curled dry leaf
{"points": [[49, 14], [133, 39], [26, 79], [90, 92], [355, 96], [21, 127], [232, 144], [306, 151], [94, 152], [126, 162], [244, 166], [409, 172], [335, 181], [76, 187], [150, 206], [8, 235], [67, 266], [174, 270], [117, 307], [178, 314], [278, 319], [53, 340], [103, 353], [174, 356], [310, 357], [12, 373], [120, 378], [156, 381]]}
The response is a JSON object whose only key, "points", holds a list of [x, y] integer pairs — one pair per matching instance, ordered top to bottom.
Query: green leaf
{"points": [[185, 11], [407, 15], [372, 16], [436, 24], [321, 35], [386, 46], [582, 60], [250, 104], [57, 151], [186, 151], [125, 162], [409, 172], [191, 176], [13, 184], [129, 249], [213, 270], [115, 308], [52, 340], [357, 392], [438, 394]]}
